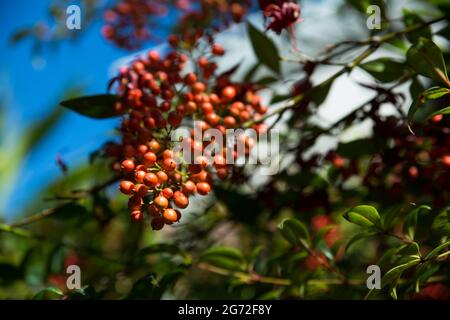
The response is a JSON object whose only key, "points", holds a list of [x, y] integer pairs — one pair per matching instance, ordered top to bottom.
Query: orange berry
{"points": [[217, 50], [228, 93], [149, 158], [169, 164], [127, 166], [139, 176], [162, 176], [150, 179], [126, 187], [189, 187], [203, 188], [167, 192], [181, 201], [161, 202], [153, 210], [170, 216]]}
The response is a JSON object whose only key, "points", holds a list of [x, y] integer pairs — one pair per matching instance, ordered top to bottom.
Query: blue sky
{"points": [[31, 93]]}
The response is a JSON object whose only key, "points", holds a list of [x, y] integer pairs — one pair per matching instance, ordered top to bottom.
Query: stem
{"points": [[373, 42], [77, 195], [29, 235], [443, 255], [245, 277], [253, 277]]}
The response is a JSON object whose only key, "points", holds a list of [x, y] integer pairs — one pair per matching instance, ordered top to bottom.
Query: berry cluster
{"points": [[128, 24], [155, 97], [408, 165]]}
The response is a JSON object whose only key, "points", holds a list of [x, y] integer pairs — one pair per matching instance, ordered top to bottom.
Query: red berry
{"points": [[217, 50], [228, 93], [153, 145], [149, 158], [446, 160], [169, 164], [127, 166], [139, 176], [162, 176], [150, 179], [126, 187], [189, 187], [203, 188], [141, 190], [167, 192], [181, 201], [161, 202], [135, 203], [153, 210], [137, 215], [170, 216], [157, 223]]}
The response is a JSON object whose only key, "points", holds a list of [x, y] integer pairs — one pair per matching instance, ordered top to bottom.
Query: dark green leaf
{"points": [[411, 19], [265, 50], [426, 58], [384, 69], [435, 93], [97, 106], [357, 148], [364, 216], [410, 223], [441, 223], [294, 231], [357, 237], [435, 252], [225, 257], [50, 293]]}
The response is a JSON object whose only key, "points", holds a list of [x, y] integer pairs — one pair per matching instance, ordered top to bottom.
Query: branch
{"points": [[373, 42], [77, 195]]}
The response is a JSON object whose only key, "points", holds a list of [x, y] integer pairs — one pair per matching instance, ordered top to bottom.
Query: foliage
{"points": [[309, 231]]}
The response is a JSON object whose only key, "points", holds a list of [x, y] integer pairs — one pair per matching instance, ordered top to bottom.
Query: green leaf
{"points": [[411, 19], [445, 32], [265, 50], [426, 58], [384, 69], [251, 73], [266, 80], [319, 93], [435, 93], [97, 106], [358, 148], [69, 211], [391, 215], [364, 216], [410, 223], [441, 224], [294, 231], [357, 237], [435, 252], [225, 257], [392, 276], [50, 293]]}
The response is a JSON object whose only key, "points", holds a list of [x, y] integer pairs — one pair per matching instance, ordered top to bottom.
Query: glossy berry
{"points": [[127, 166], [150, 179], [126, 187], [203, 188], [181, 201], [161, 202], [170, 215]]}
